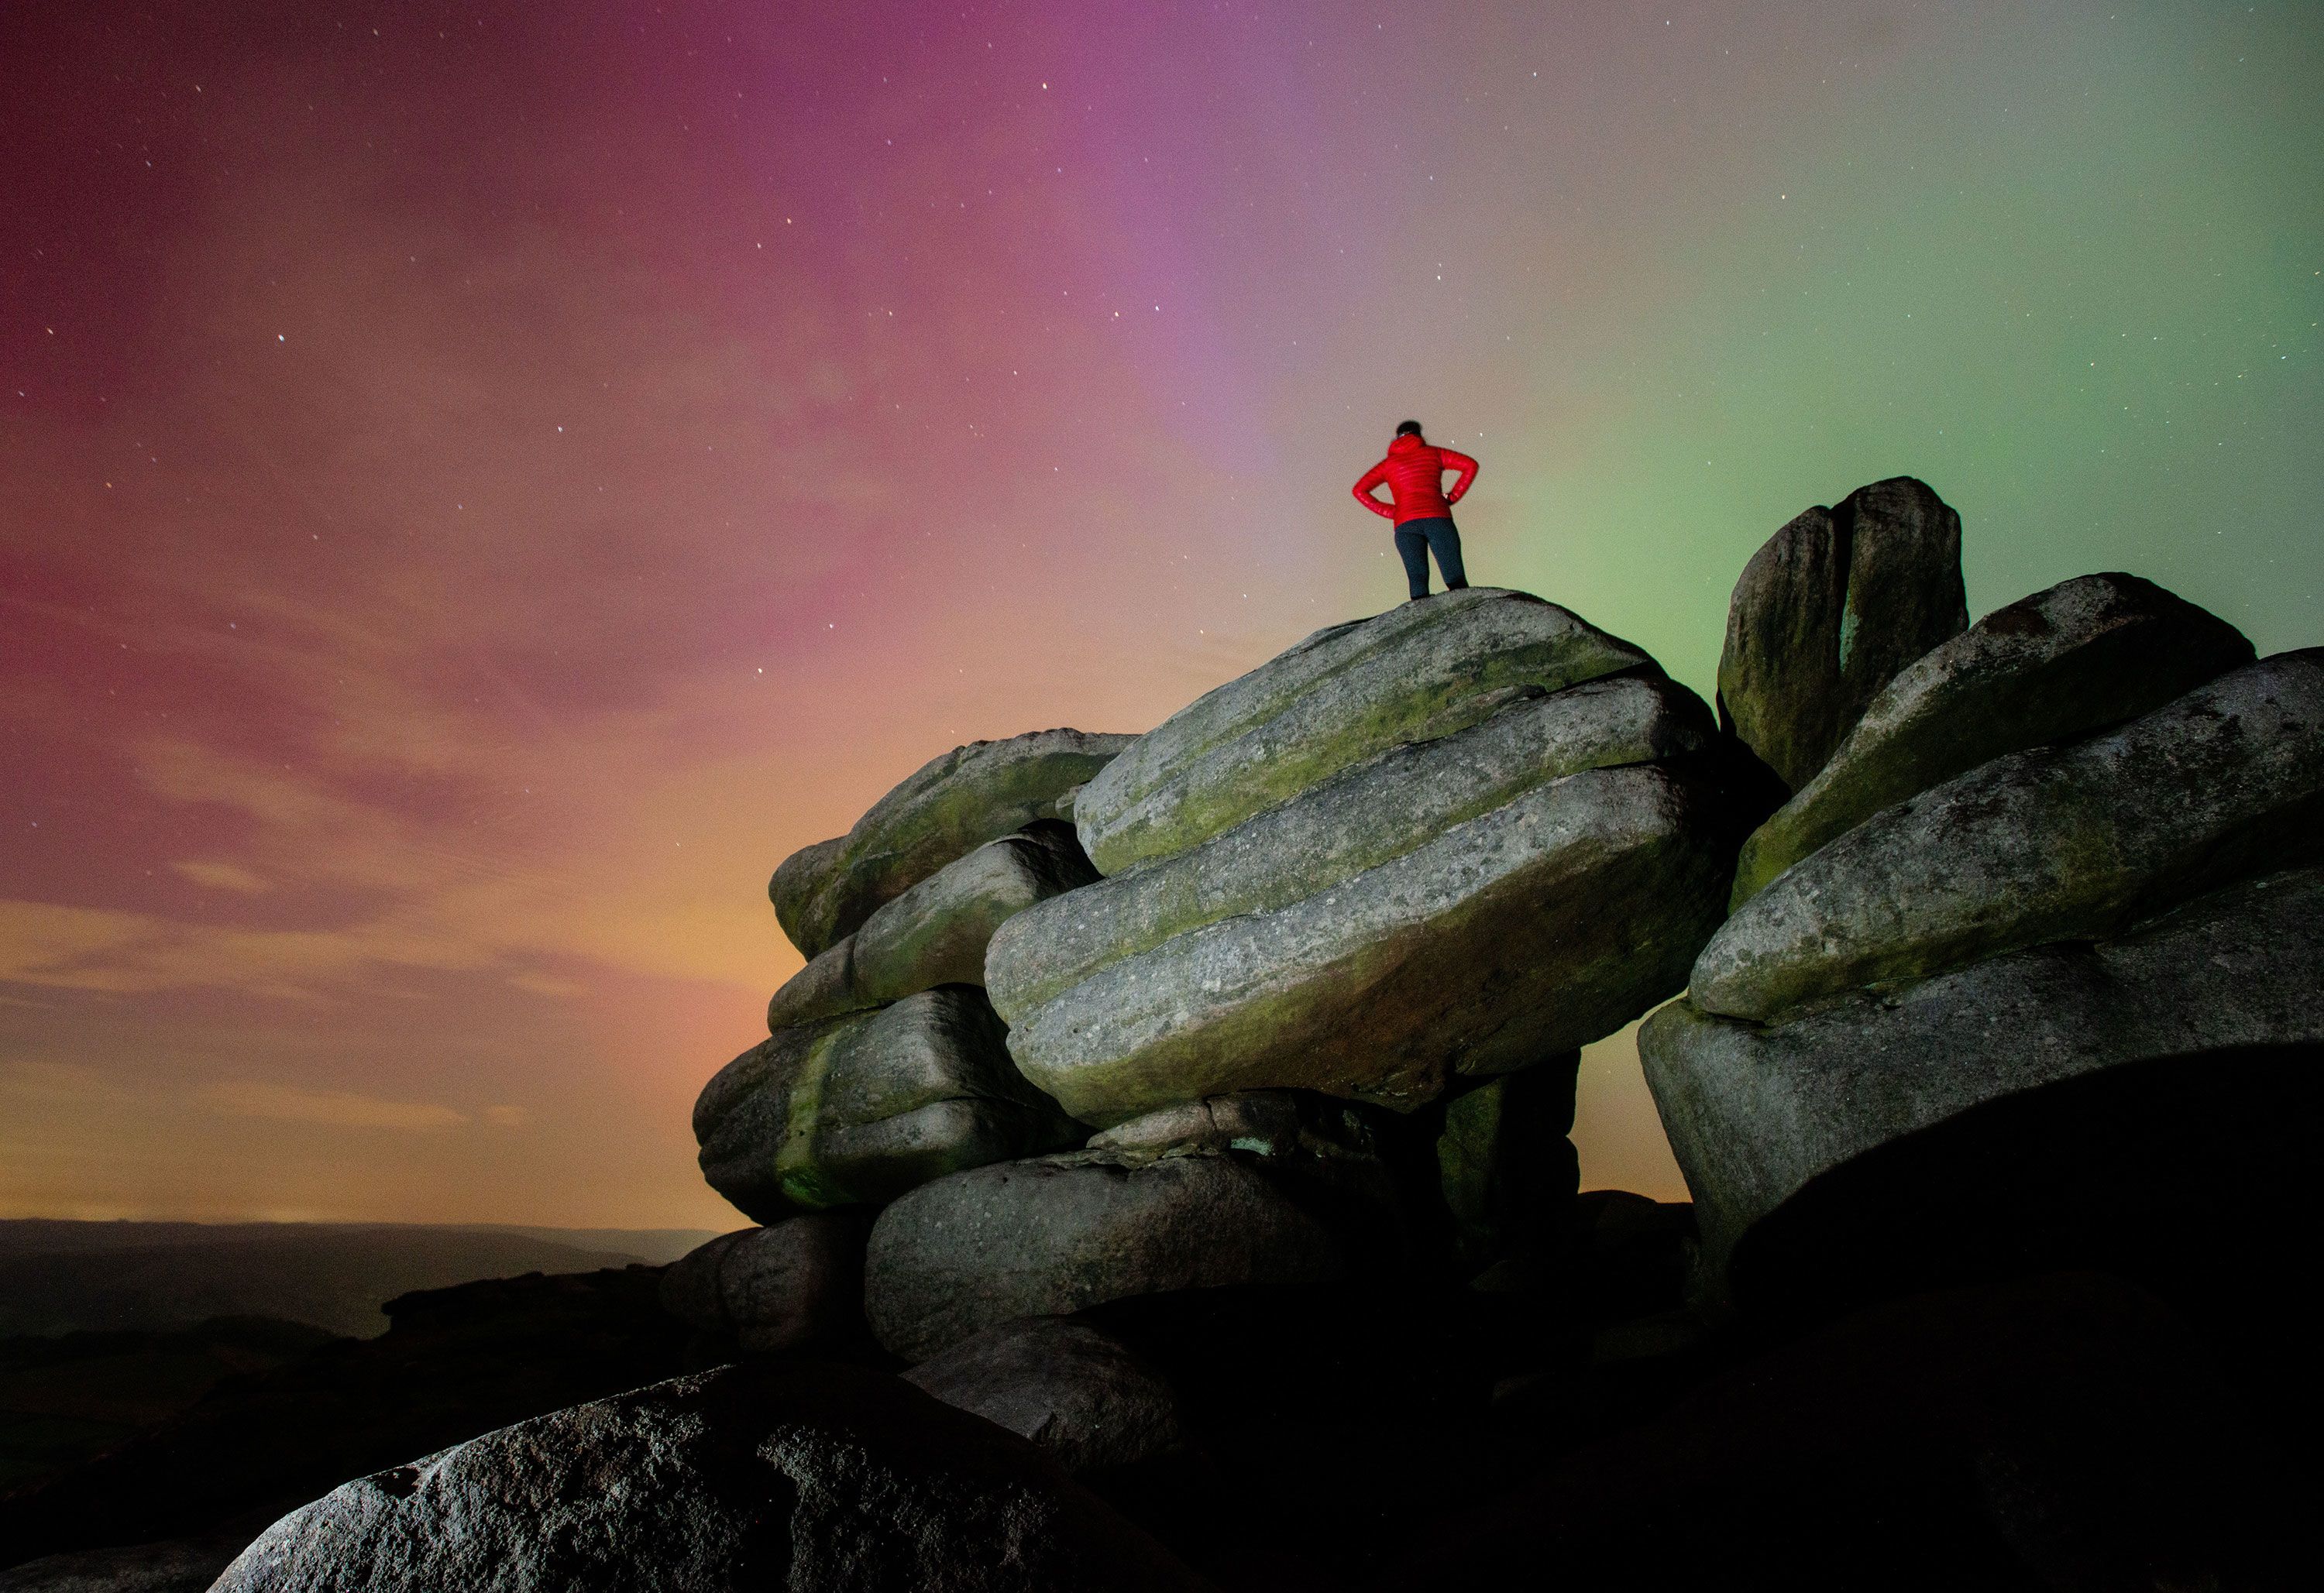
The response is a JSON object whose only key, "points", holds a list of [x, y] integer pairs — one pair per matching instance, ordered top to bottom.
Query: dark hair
{"points": [[1407, 428]]}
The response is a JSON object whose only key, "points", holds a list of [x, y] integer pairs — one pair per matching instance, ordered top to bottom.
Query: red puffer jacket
{"points": [[1415, 473]]}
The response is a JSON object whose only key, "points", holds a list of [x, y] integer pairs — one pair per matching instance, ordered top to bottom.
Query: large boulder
{"points": [[1828, 612], [2080, 657], [1344, 695], [947, 807], [1357, 819], [2047, 844], [936, 932], [1505, 939], [859, 1109], [1758, 1115], [1049, 1237], [795, 1285], [1080, 1397], [768, 1476]]}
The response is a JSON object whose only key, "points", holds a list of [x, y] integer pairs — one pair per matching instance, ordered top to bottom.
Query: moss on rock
{"points": [[2075, 659], [1339, 698], [947, 807], [1358, 819], [2053, 843], [857, 1110]]}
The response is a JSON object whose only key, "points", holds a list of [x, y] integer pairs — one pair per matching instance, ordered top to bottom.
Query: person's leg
{"points": [[1444, 537], [1412, 546]]}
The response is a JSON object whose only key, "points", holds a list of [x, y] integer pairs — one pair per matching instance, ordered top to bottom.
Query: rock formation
{"points": [[1829, 610], [2079, 837], [1413, 855], [1529, 879], [885, 1065], [1193, 1106]]}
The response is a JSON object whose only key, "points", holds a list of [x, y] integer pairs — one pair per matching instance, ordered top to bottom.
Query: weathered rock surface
{"points": [[1828, 612], [2080, 657], [1340, 696], [947, 808], [1358, 819], [2048, 845], [936, 932], [1510, 937], [859, 1109], [1754, 1114], [1270, 1122], [1049, 1237], [795, 1285], [1080, 1397], [820, 1477]]}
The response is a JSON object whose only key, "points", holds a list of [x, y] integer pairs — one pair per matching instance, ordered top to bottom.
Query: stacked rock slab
{"points": [[1829, 610], [2080, 657], [948, 807], [1458, 838], [2079, 839], [2052, 844], [935, 933], [886, 1065], [858, 1110], [1757, 1114], [1269, 1188]]}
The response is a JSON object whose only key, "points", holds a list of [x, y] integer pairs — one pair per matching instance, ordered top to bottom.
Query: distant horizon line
{"points": [[351, 1222]]}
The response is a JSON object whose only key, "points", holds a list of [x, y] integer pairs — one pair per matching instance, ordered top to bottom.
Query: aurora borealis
{"points": [[480, 484]]}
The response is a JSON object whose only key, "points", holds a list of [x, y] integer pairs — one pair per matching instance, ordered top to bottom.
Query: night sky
{"points": [[480, 484]]}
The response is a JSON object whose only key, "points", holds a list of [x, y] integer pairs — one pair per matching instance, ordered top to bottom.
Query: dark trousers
{"points": [[1415, 538]]}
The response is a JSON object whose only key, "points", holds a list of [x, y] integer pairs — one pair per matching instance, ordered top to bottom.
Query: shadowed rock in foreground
{"points": [[1080, 1397], [807, 1477]]}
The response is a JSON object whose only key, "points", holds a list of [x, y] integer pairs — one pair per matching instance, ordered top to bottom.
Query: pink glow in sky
{"points": [[482, 483]]}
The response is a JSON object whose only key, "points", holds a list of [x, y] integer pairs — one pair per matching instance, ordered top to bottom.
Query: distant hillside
{"points": [[58, 1277]]}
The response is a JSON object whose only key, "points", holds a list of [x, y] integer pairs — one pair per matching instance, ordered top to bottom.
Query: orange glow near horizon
{"points": [[476, 492]]}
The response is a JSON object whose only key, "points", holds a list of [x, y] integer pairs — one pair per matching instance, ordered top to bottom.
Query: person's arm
{"points": [[1464, 464], [1372, 478]]}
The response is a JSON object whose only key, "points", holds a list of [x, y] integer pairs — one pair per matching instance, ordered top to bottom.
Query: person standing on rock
{"points": [[1414, 473]]}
